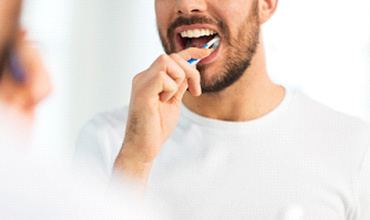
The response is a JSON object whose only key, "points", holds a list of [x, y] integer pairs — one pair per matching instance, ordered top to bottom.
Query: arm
{"points": [[154, 111]]}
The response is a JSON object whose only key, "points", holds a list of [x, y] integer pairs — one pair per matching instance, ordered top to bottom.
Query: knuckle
{"points": [[175, 56], [162, 59], [194, 74], [161, 76], [136, 78], [136, 83], [174, 87]]}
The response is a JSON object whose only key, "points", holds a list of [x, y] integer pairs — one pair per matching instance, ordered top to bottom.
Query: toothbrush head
{"points": [[213, 44], [216, 44]]}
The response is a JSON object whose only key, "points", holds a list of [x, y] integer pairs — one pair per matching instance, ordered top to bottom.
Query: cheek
{"points": [[233, 13], [162, 15]]}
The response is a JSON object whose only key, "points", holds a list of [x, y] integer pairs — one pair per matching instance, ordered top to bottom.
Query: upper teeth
{"points": [[196, 33]]}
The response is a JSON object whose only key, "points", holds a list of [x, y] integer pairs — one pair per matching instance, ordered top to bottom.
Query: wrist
{"points": [[137, 153], [132, 164]]}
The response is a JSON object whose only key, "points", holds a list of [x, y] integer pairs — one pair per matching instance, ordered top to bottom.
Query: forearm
{"points": [[154, 111], [129, 167]]}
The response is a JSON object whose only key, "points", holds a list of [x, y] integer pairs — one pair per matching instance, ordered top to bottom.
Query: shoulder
{"points": [[314, 113], [114, 119], [105, 126], [329, 130], [101, 138]]}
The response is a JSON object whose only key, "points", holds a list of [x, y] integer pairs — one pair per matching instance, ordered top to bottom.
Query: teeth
{"points": [[197, 33]]}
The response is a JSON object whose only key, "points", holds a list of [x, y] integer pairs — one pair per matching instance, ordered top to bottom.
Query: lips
{"points": [[193, 36], [197, 36], [211, 58]]}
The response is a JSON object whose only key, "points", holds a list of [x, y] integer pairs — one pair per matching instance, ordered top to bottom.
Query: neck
{"points": [[251, 97]]}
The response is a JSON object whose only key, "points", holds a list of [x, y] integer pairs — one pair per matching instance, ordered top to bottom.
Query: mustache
{"points": [[180, 21]]}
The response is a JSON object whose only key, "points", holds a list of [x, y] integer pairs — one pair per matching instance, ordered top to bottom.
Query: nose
{"points": [[189, 7]]}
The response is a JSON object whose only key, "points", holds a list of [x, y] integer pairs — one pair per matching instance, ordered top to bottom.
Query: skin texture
{"points": [[9, 13], [237, 51], [158, 91], [20, 99], [155, 108]]}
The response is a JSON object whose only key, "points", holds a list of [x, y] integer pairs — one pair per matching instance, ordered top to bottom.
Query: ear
{"points": [[266, 9]]}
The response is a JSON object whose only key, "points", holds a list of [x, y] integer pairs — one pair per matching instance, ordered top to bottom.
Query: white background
{"points": [[93, 48]]}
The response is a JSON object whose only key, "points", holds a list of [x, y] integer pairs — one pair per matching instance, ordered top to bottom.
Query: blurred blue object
{"points": [[16, 68]]}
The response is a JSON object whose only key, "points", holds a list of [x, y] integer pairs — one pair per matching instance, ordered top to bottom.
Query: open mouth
{"points": [[195, 38]]}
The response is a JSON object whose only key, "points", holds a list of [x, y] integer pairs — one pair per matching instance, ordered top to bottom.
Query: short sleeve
{"points": [[99, 143]]}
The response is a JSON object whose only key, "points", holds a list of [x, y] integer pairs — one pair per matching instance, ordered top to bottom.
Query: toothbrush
{"points": [[214, 43], [16, 68]]}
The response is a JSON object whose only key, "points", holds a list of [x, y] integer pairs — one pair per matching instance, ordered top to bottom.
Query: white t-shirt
{"points": [[301, 161], [36, 187], [33, 188]]}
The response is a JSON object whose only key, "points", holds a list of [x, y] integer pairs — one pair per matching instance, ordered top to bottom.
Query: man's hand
{"points": [[21, 98], [154, 109]]}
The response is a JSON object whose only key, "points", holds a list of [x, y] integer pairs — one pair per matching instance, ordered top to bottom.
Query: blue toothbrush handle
{"points": [[213, 44], [192, 60]]}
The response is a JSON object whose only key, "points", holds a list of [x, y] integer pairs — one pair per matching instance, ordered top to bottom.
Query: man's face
{"points": [[9, 13], [192, 23]]}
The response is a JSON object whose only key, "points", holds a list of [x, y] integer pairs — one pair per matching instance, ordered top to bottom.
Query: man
{"points": [[236, 145]]}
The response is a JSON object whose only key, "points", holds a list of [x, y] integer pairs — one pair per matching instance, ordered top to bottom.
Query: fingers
{"points": [[196, 53], [166, 64], [179, 70], [171, 75], [192, 75], [37, 77], [169, 87], [180, 92], [27, 93]]}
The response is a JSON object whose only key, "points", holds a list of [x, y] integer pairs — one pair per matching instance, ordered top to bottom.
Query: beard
{"points": [[239, 50]]}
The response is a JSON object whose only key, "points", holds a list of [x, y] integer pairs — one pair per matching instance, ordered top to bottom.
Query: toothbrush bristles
{"points": [[213, 44]]}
